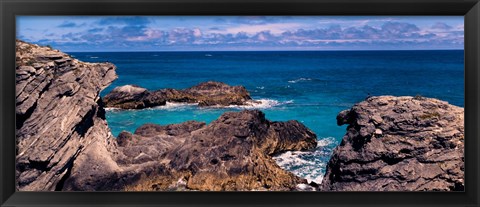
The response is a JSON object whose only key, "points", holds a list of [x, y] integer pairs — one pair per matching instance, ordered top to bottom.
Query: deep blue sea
{"points": [[309, 86]]}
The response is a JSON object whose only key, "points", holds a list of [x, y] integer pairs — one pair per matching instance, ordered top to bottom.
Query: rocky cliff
{"points": [[209, 93], [58, 115], [64, 142], [399, 144]]}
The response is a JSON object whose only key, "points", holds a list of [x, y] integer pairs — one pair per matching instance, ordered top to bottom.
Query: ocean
{"points": [[309, 86]]}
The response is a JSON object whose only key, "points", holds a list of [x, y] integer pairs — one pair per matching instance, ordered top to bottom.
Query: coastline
{"points": [[79, 153]]}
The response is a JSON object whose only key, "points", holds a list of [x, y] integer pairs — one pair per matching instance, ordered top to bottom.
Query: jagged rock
{"points": [[216, 93], [205, 94], [58, 116], [150, 141], [399, 144], [233, 153]]}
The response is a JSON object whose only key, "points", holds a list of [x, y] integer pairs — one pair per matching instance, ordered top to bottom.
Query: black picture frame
{"points": [[468, 8]]}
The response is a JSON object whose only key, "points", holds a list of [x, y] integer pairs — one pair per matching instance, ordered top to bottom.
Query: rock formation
{"points": [[205, 94], [58, 116], [64, 142], [399, 144], [232, 153]]}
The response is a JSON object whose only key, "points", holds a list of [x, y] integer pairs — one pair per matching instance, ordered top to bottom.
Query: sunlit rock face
{"points": [[59, 117]]}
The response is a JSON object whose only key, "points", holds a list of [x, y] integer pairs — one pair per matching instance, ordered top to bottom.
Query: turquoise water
{"points": [[311, 87]]}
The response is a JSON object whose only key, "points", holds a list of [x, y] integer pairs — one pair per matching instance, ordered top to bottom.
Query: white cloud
{"points": [[355, 23], [274, 28], [197, 32]]}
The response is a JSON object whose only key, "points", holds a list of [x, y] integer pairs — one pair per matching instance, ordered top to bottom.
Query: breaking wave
{"points": [[299, 80], [254, 104], [261, 104], [169, 106], [172, 106], [308, 164]]}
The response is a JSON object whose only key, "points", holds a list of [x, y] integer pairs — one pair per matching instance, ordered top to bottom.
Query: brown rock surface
{"points": [[213, 93], [131, 97], [399, 144], [232, 153]]}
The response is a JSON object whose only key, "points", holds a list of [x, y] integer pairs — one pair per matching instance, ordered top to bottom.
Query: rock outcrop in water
{"points": [[205, 94], [132, 97], [58, 116], [64, 142], [399, 144], [232, 153]]}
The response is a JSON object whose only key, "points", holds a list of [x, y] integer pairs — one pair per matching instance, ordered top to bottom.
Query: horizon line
{"points": [[333, 50]]}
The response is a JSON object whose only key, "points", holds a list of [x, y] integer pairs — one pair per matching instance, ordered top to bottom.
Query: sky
{"points": [[241, 33]]}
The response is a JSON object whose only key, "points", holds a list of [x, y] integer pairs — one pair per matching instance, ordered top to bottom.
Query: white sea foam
{"points": [[93, 57], [299, 80], [260, 104], [169, 106], [173, 106], [112, 109], [308, 164], [304, 187]]}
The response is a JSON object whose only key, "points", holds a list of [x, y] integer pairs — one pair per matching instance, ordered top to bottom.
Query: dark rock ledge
{"points": [[209, 93], [399, 144]]}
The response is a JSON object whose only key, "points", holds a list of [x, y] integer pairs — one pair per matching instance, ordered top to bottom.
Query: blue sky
{"points": [[212, 33]]}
